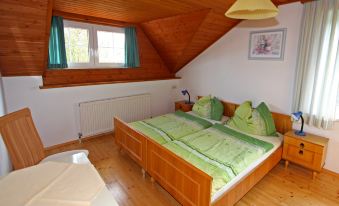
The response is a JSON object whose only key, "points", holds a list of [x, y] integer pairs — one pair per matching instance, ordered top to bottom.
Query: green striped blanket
{"points": [[170, 126], [219, 151]]}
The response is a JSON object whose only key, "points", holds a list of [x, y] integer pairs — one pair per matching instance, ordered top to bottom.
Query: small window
{"points": [[94, 46]]}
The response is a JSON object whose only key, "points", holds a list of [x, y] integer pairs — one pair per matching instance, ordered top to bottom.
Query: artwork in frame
{"points": [[268, 44]]}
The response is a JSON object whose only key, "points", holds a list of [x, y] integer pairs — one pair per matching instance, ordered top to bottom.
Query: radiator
{"points": [[96, 117]]}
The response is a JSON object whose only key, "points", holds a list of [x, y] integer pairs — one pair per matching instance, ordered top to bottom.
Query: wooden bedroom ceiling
{"points": [[138, 11], [179, 30]]}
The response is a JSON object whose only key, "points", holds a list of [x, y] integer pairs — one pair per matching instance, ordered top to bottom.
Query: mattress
{"points": [[275, 141], [227, 155]]}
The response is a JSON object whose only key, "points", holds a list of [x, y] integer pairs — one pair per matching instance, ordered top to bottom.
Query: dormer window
{"points": [[79, 45], [94, 46]]}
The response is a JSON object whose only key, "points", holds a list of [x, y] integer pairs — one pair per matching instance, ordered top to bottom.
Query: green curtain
{"points": [[131, 48], [56, 51], [317, 76]]}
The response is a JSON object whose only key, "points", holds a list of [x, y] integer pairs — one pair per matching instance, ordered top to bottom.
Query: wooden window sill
{"points": [[104, 82]]}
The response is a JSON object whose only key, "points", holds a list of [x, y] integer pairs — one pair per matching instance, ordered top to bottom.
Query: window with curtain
{"points": [[88, 46], [56, 49], [317, 82]]}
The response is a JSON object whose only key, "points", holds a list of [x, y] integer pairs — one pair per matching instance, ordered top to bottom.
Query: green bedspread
{"points": [[170, 126], [219, 151]]}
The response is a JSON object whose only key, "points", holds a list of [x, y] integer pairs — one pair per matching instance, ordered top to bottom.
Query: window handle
{"points": [[301, 152]]}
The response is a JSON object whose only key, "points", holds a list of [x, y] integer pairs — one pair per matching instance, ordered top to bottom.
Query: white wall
{"points": [[224, 70], [55, 111], [5, 164]]}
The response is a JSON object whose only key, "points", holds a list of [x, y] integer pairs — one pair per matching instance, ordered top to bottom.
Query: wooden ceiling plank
{"points": [[36, 9], [127, 10], [91, 19], [171, 35], [21, 36], [201, 41]]}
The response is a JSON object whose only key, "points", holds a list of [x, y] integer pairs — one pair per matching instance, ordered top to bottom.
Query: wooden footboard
{"points": [[133, 142], [186, 183]]}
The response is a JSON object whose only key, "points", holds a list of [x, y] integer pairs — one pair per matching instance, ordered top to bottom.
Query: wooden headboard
{"points": [[282, 122]]}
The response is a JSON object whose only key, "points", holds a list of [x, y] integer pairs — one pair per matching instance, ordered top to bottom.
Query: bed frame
{"points": [[186, 183]]}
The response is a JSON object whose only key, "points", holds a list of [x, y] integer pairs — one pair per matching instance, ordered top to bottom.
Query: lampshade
{"points": [[250, 9], [184, 92], [296, 115]]}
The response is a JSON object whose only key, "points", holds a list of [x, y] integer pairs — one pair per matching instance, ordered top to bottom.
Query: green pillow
{"points": [[203, 107], [209, 107], [217, 109], [244, 111], [242, 118], [267, 118], [258, 121], [258, 126]]}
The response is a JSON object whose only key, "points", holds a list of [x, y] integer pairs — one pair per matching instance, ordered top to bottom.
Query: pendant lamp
{"points": [[252, 9]]}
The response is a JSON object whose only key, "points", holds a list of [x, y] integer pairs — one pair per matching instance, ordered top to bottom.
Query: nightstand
{"points": [[181, 105], [308, 151]]}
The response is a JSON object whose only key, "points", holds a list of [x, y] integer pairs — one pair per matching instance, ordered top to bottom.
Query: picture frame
{"points": [[267, 44]]}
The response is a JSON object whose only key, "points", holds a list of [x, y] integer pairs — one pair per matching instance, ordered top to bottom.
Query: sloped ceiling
{"points": [[23, 26], [179, 30], [172, 35], [181, 38]]}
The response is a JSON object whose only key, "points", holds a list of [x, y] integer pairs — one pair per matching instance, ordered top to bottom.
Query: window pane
{"points": [[105, 39], [119, 40], [77, 45], [111, 47], [106, 55]]}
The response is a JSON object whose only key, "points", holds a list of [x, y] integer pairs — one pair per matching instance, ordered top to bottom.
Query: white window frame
{"points": [[93, 45]]}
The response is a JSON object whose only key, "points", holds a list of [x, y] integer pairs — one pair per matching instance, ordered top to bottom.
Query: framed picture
{"points": [[269, 44]]}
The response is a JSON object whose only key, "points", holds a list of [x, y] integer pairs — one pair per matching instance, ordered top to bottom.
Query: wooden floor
{"points": [[123, 177]]}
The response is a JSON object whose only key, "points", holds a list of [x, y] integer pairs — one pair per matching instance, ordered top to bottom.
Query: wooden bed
{"points": [[186, 183]]}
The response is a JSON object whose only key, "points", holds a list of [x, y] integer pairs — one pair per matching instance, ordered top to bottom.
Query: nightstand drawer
{"points": [[180, 107], [301, 144], [299, 155], [306, 158]]}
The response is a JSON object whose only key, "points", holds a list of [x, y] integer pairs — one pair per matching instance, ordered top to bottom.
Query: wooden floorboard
{"points": [[123, 177]]}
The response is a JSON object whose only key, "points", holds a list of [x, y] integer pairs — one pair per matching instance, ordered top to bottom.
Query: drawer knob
{"points": [[302, 145], [301, 152]]}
